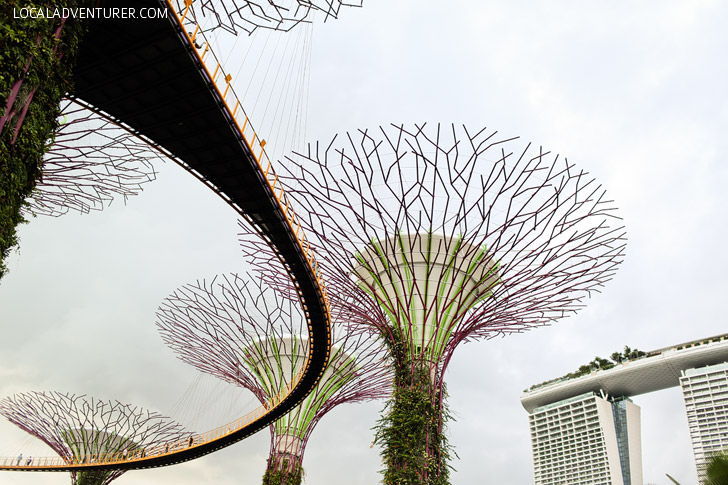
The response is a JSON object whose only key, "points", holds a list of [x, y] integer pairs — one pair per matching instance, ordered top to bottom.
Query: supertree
{"points": [[246, 15], [92, 160], [431, 236], [254, 338], [83, 430]]}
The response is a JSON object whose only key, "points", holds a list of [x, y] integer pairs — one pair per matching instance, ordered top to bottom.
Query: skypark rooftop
{"points": [[659, 369]]}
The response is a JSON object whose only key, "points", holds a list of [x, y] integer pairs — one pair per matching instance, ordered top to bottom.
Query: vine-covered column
{"points": [[36, 65], [415, 448]]}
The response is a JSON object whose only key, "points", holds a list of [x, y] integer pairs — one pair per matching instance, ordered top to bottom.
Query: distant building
{"points": [[705, 391], [587, 430], [587, 439]]}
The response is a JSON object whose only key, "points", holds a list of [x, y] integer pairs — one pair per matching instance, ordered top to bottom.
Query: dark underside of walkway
{"points": [[141, 72]]}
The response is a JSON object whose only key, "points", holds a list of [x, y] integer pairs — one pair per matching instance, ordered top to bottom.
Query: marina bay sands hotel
{"points": [[586, 430]]}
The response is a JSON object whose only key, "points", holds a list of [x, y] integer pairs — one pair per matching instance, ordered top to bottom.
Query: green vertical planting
{"points": [[36, 64]]}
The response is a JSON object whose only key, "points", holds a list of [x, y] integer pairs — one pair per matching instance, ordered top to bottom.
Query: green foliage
{"points": [[30, 42], [628, 354], [598, 363], [411, 432], [281, 471], [716, 472], [94, 477]]}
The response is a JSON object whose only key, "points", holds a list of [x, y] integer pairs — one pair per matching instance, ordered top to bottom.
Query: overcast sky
{"points": [[633, 92]]}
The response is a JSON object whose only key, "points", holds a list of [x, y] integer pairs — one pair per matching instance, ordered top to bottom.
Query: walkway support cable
{"points": [[162, 86]]}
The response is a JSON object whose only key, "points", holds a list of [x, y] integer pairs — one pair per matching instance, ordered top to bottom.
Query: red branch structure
{"points": [[237, 16], [18, 113], [92, 160], [435, 235], [253, 337], [86, 430]]}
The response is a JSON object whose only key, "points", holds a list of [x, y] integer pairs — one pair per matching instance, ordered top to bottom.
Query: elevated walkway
{"points": [[147, 75]]}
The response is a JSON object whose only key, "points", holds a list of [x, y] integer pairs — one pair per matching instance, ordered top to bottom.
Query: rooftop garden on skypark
{"points": [[717, 338], [628, 355], [599, 363]]}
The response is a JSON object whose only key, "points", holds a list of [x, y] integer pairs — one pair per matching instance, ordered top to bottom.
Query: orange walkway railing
{"points": [[221, 83]]}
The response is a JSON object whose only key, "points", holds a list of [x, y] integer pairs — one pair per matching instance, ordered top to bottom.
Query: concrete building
{"points": [[705, 391], [587, 430], [587, 439]]}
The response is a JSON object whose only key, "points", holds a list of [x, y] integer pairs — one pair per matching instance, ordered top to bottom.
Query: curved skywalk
{"points": [[147, 75]]}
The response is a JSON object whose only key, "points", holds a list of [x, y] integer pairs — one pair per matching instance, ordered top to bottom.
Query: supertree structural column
{"points": [[247, 15], [92, 160], [435, 235], [428, 281], [234, 329], [83, 430]]}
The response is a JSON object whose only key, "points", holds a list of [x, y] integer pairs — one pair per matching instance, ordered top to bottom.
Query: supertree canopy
{"points": [[247, 15], [88, 161], [91, 161], [435, 235], [253, 337], [83, 430]]}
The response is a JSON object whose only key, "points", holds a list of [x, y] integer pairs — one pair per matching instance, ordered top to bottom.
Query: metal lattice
{"points": [[237, 16], [92, 161], [375, 202], [253, 337], [83, 430]]}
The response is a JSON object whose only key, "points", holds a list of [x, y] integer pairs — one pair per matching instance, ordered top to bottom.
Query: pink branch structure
{"points": [[237, 16], [16, 92], [91, 161], [434, 235], [254, 338], [83, 430]]}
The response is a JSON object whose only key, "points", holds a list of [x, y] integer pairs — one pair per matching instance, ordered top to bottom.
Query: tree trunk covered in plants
{"points": [[36, 65], [416, 450], [283, 470], [98, 477]]}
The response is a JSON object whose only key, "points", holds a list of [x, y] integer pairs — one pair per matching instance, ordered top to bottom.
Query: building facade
{"points": [[700, 367], [705, 390], [587, 439]]}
